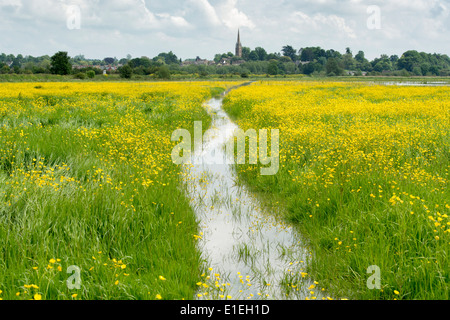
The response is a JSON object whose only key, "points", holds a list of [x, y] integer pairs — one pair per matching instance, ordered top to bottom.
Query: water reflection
{"points": [[414, 83], [250, 253]]}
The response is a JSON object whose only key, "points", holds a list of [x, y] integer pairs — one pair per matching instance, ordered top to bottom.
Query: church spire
{"points": [[238, 46]]}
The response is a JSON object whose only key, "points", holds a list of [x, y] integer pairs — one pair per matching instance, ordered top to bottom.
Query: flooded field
{"points": [[415, 83]]}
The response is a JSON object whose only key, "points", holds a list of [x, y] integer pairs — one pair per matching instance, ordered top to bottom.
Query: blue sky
{"points": [[190, 28]]}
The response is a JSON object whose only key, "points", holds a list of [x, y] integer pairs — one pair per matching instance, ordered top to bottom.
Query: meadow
{"points": [[364, 176], [87, 180]]}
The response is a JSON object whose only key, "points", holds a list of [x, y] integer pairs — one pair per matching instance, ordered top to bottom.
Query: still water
{"points": [[249, 253]]}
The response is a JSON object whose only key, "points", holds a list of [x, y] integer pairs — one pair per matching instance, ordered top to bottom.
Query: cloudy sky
{"points": [[190, 28]]}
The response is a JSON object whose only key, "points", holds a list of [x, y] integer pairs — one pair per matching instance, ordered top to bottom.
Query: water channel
{"points": [[250, 253]]}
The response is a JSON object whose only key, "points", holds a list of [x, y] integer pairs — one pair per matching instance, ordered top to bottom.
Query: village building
{"points": [[238, 46], [197, 61], [223, 61]]}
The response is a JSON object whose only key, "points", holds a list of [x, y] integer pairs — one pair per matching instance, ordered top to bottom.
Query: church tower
{"points": [[239, 46]]}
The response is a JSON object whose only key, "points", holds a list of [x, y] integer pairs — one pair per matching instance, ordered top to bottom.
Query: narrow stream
{"points": [[249, 253]]}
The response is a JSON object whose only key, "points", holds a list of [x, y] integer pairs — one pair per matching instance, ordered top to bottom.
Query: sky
{"points": [[191, 28]]}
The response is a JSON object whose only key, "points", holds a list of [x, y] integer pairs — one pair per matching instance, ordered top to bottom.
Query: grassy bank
{"points": [[364, 175], [87, 180]]}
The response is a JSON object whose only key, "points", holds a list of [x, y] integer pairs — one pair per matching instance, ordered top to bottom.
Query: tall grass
{"points": [[364, 176], [86, 180]]}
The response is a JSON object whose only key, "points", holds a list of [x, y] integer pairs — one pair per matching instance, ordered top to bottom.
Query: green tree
{"points": [[290, 52], [245, 53], [262, 53], [312, 53], [307, 54], [333, 54], [253, 56], [273, 56], [360, 57], [169, 58], [217, 58], [393, 58], [285, 59], [109, 60], [410, 60], [349, 61], [144, 62], [17, 63], [60, 63], [383, 65], [273, 67], [332, 67], [291, 68], [308, 68], [5, 69], [434, 70], [417, 71], [126, 72], [163, 72], [90, 74], [80, 75]]}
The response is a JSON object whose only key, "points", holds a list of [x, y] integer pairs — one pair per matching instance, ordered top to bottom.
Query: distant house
{"points": [[197, 61], [187, 62], [204, 62], [224, 62], [230, 62], [237, 62], [110, 67], [354, 73]]}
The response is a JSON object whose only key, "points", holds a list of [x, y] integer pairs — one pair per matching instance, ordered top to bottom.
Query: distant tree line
{"points": [[313, 61]]}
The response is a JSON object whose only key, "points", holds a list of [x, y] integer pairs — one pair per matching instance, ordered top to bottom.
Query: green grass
{"points": [[75, 172], [71, 189], [349, 224]]}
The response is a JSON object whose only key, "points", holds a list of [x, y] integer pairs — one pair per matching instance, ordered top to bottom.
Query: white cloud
{"points": [[12, 3], [206, 11], [231, 17], [176, 21], [324, 24], [205, 27]]}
